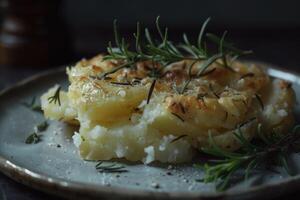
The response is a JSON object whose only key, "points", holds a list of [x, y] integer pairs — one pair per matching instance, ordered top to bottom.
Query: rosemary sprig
{"points": [[217, 40], [164, 52], [114, 69], [56, 97], [33, 105], [271, 147], [110, 168]]}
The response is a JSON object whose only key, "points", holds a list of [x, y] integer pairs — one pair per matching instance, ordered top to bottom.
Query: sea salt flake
{"points": [[122, 93], [77, 139], [150, 154]]}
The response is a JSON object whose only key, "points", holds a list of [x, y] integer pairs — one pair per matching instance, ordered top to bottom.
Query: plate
{"points": [[54, 166]]}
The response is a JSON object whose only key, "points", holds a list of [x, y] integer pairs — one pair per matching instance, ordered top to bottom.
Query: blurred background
{"points": [[270, 28], [41, 34], [36, 35]]}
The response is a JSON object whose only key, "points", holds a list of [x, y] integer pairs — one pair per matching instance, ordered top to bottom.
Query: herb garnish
{"points": [[164, 52], [207, 72], [247, 75], [121, 83], [151, 90], [213, 91], [56, 97], [259, 101], [32, 105], [178, 116], [246, 122], [41, 127], [33, 138], [178, 138], [272, 147], [110, 168]]}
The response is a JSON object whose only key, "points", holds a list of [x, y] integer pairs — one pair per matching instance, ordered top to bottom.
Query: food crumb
{"points": [[122, 93], [170, 167], [169, 173], [185, 180], [155, 185]]}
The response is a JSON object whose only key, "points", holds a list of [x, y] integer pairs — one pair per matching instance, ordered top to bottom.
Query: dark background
{"points": [[270, 28]]}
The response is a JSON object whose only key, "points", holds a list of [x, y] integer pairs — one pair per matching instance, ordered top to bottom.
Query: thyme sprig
{"points": [[164, 52], [56, 96], [271, 147], [110, 168]]}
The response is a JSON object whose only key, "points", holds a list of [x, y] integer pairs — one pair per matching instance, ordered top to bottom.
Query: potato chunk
{"points": [[120, 117]]}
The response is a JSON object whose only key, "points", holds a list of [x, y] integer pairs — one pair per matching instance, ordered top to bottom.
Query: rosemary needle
{"points": [[164, 52], [151, 90], [56, 97], [260, 101], [32, 105], [178, 116], [41, 127], [33, 138], [178, 138], [110, 168]]}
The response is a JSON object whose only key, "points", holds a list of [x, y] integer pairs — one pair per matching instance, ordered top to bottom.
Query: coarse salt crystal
{"points": [[122, 93], [142, 104], [97, 131], [77, 139], [150, 154]]}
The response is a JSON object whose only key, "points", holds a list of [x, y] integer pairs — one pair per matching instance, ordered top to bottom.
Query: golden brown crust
{"points": [[216, 103]]}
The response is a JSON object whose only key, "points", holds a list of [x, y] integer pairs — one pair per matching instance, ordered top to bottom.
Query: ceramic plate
{"points": [[53, 165]]}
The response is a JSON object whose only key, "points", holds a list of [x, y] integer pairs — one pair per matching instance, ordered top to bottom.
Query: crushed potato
{"points": [[117, 122]]}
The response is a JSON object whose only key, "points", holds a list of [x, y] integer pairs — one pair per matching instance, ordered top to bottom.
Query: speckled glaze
{"points": [[53, 165]]}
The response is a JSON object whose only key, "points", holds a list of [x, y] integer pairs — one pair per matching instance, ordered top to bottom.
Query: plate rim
{"points": [[51, 184]]}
